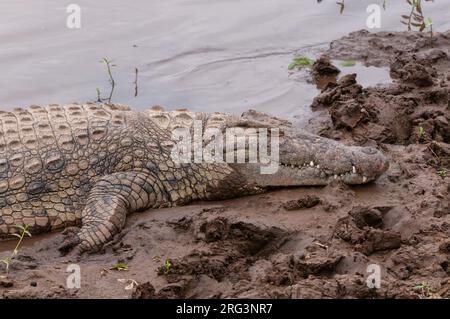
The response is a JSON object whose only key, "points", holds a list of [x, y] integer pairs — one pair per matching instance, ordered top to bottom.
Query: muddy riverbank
{"points": [[300, 242]]}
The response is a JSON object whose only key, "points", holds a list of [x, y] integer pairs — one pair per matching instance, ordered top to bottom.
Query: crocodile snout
{"points": [[372, 163]]}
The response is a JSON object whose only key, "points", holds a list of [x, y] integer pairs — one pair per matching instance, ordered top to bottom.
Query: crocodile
{"points": [[90, 165]]}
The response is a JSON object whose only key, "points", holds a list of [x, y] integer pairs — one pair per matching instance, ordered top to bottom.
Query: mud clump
{"points": [[381, 48], [323, 67], [412, 72], [346, 87], [417, 100], [345, 101], [302, 203], [367, 217], [362, 228], [215, 230], [379, 240], [233, 246], [445, 247], [232, 249], [289, 269], [6, 283], [144, 291], [170, 291]]}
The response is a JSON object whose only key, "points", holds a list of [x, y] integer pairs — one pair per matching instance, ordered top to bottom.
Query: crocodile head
{"points": [[292, 157], [305, 159], [308, 160]]}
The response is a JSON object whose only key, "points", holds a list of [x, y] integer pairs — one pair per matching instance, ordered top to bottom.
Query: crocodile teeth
{"points": [[311, 164], [292, 166], [318, 166], [354, 169], [335, 176], [364, 179]]}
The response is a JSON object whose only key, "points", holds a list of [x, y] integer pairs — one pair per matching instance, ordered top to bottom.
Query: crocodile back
{"points": [[46, 156]]}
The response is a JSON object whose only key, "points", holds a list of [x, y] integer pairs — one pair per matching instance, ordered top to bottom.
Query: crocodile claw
{"points": [[70, 245]]}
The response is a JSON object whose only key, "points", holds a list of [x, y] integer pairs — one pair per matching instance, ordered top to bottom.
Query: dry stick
{"points": [[416, 14], [410, 16], [430, 24], [136, 71], [111, 79], [99, 96], [435, 155]]}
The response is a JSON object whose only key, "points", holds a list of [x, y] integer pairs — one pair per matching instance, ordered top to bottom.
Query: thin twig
{"points": [[109, 67], [136, 71]]}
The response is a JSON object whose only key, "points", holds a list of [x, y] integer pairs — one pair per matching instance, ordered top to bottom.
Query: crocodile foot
{"points": [[71, 242]]}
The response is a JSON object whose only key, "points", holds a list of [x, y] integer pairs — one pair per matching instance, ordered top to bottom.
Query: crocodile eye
{"points": [[369, 150]]}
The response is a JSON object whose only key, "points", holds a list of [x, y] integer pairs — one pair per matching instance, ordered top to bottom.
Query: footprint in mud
{"points": [[362, 227], [232, 247], [289, 269]]}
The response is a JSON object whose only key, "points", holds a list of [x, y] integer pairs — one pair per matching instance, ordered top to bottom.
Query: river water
{"points": [[207, 55]]}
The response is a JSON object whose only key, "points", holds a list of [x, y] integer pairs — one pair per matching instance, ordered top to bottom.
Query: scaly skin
{"points": [[94, 164]]}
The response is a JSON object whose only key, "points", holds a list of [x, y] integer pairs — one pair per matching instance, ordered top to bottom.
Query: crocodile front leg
{"points": [[111, 199]]}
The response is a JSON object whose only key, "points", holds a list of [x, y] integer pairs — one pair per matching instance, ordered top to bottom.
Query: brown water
{"points": [[208, 55], [10, 245]]}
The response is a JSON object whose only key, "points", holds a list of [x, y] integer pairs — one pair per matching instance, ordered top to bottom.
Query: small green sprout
{"points": [[430, 25], [299, 62], [109, 66], [99, 95], [323, 130], [421, 133], [442, 173], [24, 231], [7, 261], [120, 266], [167, 267], [424, 289]]}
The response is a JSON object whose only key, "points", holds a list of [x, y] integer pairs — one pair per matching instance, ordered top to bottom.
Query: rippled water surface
{"points": [[208, 55]]}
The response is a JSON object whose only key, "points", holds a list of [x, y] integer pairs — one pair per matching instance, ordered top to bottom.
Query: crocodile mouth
{"points": [[323, 175]]}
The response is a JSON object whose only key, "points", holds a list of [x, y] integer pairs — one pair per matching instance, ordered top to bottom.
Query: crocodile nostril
{"points": [[369, 150]]}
